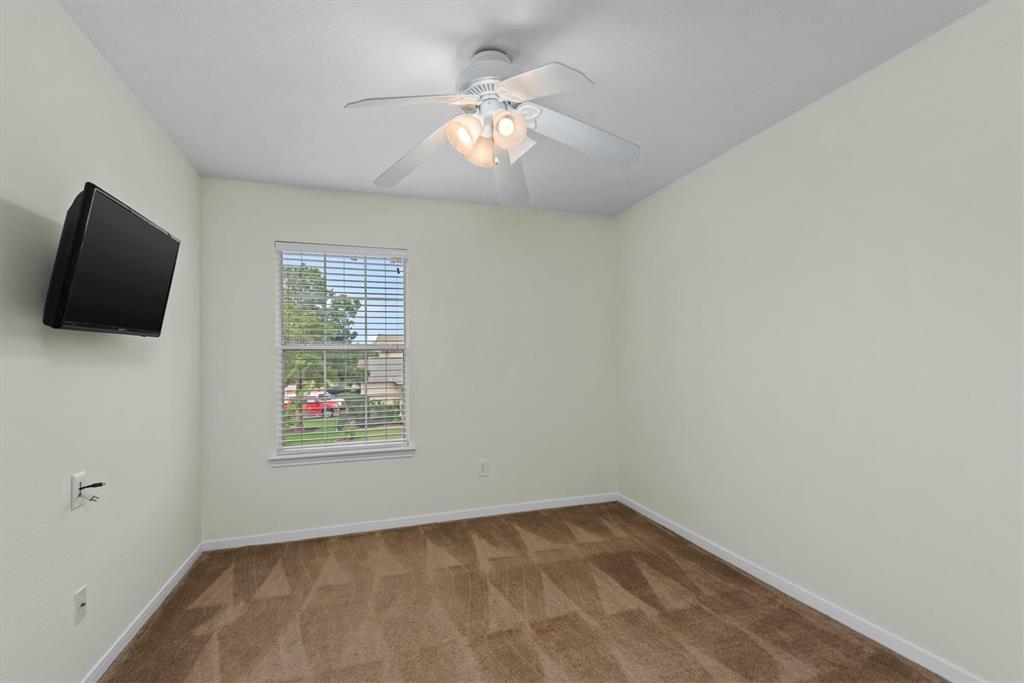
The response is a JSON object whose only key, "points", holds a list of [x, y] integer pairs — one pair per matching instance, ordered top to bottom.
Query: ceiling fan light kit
{"points": [[499, 113]]}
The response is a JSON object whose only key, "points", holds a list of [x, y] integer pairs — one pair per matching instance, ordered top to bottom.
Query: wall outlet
{"points": [[483, 468], [76, 500], [81, 604]]}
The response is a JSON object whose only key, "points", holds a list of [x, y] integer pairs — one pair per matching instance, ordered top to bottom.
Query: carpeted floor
{"points": [[592, 593]]}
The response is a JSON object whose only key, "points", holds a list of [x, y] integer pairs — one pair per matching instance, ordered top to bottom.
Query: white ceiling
{"points": [[256, 90]]}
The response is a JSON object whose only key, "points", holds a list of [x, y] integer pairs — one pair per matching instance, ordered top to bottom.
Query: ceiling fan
{"points": [[498, 114]]}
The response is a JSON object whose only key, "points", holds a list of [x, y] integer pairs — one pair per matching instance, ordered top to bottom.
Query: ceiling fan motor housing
{"points": [[486, 69]]}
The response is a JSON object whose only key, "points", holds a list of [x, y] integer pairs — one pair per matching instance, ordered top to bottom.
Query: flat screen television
{"points": [[113, 269]]}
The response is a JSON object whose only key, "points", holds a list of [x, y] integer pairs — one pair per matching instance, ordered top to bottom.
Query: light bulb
{"points": [[506, 126], [509, 129], [463, 131], [482, 153]]}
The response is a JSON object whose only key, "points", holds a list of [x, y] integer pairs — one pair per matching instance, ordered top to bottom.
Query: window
{"points": [[341, 344]]}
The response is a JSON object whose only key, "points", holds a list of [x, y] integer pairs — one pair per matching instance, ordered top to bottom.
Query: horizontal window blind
{"points": [[341, 339]]}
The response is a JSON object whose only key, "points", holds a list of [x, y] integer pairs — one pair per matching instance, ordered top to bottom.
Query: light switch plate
{"points": [[76, 500]]}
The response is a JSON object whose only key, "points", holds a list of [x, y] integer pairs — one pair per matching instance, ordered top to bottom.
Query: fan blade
{"points": [[549, 79], [457, 100], [586, 138], [517, 152], [416, 156], [511, 181]]}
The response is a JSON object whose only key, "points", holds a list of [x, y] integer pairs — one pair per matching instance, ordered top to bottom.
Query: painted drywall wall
{"points": [[511, 327], [822, 346], [124, 409]]}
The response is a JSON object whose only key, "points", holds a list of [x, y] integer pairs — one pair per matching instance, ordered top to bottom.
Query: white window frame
{"points": [[286, 456]]}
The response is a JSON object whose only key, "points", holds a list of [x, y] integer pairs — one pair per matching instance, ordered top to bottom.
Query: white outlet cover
{"points": [[483, 468], [76, 500], [81, 604]]}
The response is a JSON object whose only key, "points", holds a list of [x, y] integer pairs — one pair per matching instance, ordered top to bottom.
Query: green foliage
{"points": [[311, 313]]}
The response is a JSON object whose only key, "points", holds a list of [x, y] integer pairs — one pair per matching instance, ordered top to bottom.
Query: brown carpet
{"points": [[591, 593]]}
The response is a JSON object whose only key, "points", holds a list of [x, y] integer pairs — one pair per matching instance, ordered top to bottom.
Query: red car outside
{"points": [[319, 403]]}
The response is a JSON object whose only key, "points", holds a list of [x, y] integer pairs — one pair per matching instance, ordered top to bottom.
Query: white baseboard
{"points": [[412, 520], [133, 628], [917, 654]]}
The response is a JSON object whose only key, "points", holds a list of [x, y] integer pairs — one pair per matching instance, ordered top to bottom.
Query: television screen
{"points": [[113, 269]]}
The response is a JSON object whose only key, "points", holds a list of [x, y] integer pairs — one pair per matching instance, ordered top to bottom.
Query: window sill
{"points": [[315, 456]]}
